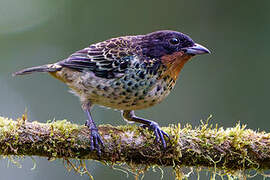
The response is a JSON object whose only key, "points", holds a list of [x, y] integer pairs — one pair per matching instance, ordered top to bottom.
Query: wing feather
{"points": [[107, 59]]}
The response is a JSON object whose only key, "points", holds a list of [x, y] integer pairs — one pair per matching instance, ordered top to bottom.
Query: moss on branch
{"points": [[230, 150]]}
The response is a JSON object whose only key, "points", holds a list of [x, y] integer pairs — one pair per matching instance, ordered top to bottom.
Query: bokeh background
{"points": [[232, 83]]}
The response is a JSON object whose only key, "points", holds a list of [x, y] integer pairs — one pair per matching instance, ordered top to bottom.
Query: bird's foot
{"points": [[153, 126], [95, 139]]}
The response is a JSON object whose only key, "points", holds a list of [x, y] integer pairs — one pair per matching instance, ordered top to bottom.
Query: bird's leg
{"points": [[130, 116], [95, 138]]}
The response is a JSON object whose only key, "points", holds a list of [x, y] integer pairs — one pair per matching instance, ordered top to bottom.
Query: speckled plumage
{"points": [[118, 73], [125, 73]]}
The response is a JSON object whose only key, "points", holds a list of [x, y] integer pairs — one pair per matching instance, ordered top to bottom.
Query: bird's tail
{"points": [[43, 68]]}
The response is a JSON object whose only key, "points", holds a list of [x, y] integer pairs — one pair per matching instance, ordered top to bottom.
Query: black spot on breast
{"points": [[116, 63], [124, 65], [137, 66], [142, 75], [165, 78], [172, 81], [130, 83], [158, 88], [128, 90], [144, 92]]}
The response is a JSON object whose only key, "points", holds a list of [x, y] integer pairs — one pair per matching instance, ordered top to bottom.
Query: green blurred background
{"points": [[232, 83]]}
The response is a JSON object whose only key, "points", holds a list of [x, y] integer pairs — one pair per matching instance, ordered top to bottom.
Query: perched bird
{"points": [[125, 73]]}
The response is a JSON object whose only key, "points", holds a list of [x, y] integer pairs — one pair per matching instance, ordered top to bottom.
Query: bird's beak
{"points": [[196, 49]]}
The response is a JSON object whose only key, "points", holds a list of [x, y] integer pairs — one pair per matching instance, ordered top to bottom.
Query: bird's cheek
{"points": [[171, 58]]}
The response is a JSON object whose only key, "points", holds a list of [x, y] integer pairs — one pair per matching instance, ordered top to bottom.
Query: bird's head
{"points": [[172, 47]]}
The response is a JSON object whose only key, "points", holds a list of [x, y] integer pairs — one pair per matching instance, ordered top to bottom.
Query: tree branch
{"points": [[230, 149]]}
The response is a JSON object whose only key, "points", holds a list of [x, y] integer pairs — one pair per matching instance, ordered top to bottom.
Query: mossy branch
{"points": [[229, 149]]}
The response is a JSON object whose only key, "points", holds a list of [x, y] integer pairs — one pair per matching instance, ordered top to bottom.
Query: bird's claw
{"points": [[158, 133], [95, 141]]}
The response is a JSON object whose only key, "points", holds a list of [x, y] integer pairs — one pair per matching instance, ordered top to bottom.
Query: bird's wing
{"points": [[107, 59]]}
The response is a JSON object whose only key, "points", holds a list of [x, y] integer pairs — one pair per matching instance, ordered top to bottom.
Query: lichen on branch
{"points": [[230, 150]]}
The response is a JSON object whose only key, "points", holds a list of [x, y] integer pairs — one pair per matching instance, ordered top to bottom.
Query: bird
{"points": [[125, 73]]}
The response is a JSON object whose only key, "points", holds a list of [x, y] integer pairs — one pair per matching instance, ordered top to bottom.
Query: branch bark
{"points": [[229, 149]]}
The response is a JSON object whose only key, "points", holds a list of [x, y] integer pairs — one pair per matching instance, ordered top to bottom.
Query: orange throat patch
{"points": [[174, 63]]}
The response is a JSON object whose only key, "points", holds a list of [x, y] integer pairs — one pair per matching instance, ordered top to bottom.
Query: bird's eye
{"points": [[174, 41]]}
